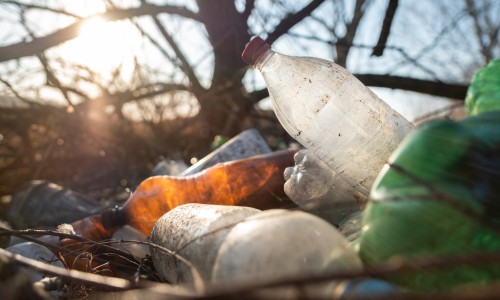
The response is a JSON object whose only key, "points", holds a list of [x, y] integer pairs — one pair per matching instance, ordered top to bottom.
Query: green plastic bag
{"points": [[484, 92], [440, 195]]}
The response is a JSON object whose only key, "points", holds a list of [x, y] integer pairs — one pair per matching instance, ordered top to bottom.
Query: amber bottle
{"points": [[256, 182]]}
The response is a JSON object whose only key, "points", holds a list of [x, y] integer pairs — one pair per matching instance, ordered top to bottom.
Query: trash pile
{"points": [[371, 208]]}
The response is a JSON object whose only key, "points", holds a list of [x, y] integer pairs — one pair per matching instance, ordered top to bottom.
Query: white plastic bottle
{"points": [[329, 111]]}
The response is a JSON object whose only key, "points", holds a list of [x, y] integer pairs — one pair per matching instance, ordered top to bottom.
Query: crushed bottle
{"points": [[246, 144], [172, 167], [317, 189], [43, 203], [350, 227], [37, 252]]}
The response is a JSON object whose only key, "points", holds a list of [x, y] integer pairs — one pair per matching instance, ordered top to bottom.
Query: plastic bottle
{"points": [[330, 112], [246, 144], [171, 167], [256, 182], [319, 190], [43, 203], [350, 227], [194, 231], [277, 244], [36, 252]]}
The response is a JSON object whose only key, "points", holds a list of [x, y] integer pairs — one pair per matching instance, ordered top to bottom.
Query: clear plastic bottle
{"points": [[330, 112], [319, 190]]}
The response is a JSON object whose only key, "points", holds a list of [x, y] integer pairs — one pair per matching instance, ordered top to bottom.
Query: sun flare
{"points": [[102, 45]]}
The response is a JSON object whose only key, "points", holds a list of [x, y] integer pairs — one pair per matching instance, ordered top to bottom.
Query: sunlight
{"points": [[103, 45]]}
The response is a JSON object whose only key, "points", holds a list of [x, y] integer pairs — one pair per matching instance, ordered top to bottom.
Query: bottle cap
{"points": [[254, 50]]}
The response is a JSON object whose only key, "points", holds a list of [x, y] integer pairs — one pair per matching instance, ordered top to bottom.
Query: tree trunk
{"points": [[226, 102]]}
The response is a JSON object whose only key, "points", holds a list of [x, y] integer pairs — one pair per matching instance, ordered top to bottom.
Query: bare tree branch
{"points": [[249, 6], [40, 7], [292, 20], [482, 36], [155, 43], [40, 44], [344, 44], [378, 50], [185, 66], [52, 79], [455, 91], [16, 93], [120, 98], [439, 112], [84, 277]]}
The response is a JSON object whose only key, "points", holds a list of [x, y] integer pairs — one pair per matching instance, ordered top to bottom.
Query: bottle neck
{"points": [[263, 58], [114, 217]]}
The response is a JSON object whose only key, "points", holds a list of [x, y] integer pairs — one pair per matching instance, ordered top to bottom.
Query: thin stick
{"points": [[106, 282]]}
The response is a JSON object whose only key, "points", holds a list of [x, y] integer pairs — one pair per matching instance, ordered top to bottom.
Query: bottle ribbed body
{"points": [[332, 113]]}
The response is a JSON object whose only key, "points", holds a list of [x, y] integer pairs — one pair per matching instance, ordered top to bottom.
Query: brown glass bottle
{"points": [[256, 182]]}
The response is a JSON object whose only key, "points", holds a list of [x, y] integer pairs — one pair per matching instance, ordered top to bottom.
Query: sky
{"points": [[416, 25]]}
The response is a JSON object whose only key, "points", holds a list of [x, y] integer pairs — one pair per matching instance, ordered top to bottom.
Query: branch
{"points": [[249, 6], [40, 7], [457, 18], [293, 19], [60, 36], [155, 43], [344, 44], [485, 48], [378, 50], [185, 66], [52, 79], [153, 90], [455, 91], [16, 94], [137, 94], [394, 267], [112, 283]]}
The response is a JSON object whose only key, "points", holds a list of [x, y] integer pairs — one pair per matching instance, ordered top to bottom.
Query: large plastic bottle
{"points": [[330, 112], [256, 182], [195, 232], [276, 244]]}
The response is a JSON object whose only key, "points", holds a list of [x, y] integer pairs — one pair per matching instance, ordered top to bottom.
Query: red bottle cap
{"points": [[254, 50]]}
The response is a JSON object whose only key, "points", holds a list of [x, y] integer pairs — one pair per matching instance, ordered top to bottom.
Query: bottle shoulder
{"points": [[275, 61]]}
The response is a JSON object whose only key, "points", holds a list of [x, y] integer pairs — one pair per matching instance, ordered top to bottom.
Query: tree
{"points": [[204, 70]]}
